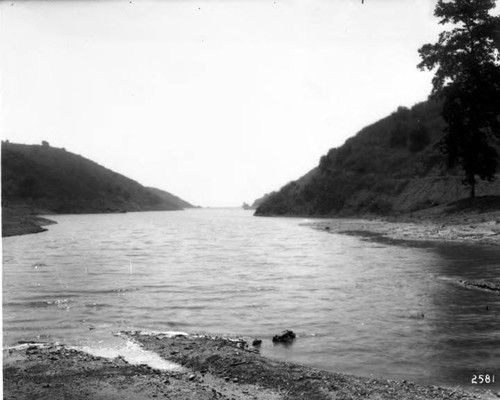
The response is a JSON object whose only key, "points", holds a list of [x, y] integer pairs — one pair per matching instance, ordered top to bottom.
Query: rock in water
{"points": [[285, 337], [256, 342]]}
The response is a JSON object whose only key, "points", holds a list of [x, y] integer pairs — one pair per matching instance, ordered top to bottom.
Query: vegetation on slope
{"points": [[467, 79], [395, 164], [392, 166], [51, 180], [170, 198], [257, 202]]}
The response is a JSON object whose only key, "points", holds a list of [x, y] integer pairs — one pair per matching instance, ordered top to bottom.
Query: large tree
{"points": [[467, 79]]}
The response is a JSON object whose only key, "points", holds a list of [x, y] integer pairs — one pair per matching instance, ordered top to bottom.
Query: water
{"points": [[356, 305]]}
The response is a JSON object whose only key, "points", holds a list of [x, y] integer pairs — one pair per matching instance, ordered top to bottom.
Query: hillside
{"points": [[393, 166], [49, 180], [170, 198], [257, 202]]}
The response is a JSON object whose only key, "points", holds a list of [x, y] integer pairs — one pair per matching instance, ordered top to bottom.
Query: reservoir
{"points": [[360, 306]]}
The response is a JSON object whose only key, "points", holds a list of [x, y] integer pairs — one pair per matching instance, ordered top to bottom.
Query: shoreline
{"points": [[17, 222], [445, 223], [481, 229], [210, 368]]}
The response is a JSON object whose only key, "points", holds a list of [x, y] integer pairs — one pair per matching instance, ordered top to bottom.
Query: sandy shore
{"points": [[473, 228], [208, 368]]}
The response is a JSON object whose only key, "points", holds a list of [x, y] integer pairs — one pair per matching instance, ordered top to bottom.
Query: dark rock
{"points": [[285, 337], [256, 342], [242, 344]]}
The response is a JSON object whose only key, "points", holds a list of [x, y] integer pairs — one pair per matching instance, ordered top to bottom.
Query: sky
{"points": [[215, 101]]}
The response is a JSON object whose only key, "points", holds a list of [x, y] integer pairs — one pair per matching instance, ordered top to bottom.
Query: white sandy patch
{"points": [[134, 354]]}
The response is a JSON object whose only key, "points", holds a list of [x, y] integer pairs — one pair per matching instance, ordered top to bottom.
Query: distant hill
{"points": [[393, 166], [46, 179], [168, 197], [255, 204]]}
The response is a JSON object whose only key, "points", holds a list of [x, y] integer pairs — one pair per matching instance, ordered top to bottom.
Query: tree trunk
{"points": [[473, 188]]}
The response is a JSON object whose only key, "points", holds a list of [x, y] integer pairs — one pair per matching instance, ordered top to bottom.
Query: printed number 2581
{"points": [[480, 379]]}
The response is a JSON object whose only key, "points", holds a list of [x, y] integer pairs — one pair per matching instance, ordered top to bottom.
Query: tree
{"points": [[467, 78], [418, 138], [28, 188]]}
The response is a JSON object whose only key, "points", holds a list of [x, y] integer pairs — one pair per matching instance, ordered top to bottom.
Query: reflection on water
{"points": [[358, 306]]}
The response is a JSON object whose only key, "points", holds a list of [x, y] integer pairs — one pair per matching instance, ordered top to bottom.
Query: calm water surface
{"points": [[356, 305]]}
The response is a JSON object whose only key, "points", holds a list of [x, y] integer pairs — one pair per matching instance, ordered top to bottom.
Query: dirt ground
{"points": [[211, 368]]}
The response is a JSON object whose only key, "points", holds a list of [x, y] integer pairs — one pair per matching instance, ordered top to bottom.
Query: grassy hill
{"points": [[393, 166], [45, 179]]}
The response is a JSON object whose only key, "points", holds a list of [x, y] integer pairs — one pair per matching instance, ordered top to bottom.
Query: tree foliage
{"points": [[467, 78]]}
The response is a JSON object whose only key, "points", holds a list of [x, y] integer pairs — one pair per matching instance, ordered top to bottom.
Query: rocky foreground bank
{"points": [[210, 368]]}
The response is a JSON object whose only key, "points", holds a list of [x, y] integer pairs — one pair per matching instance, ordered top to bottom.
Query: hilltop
{"points": [[391, 167], [40, 179]]}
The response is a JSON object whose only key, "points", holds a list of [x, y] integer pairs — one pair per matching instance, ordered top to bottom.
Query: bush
{"points": [[399, 135], [418, 138]]}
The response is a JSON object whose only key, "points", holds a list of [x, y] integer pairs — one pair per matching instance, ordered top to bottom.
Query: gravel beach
{"points": [[429, 225], [209, 368]]}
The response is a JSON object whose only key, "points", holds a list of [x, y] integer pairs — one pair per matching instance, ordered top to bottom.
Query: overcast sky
{"points": [[216, 101]]}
